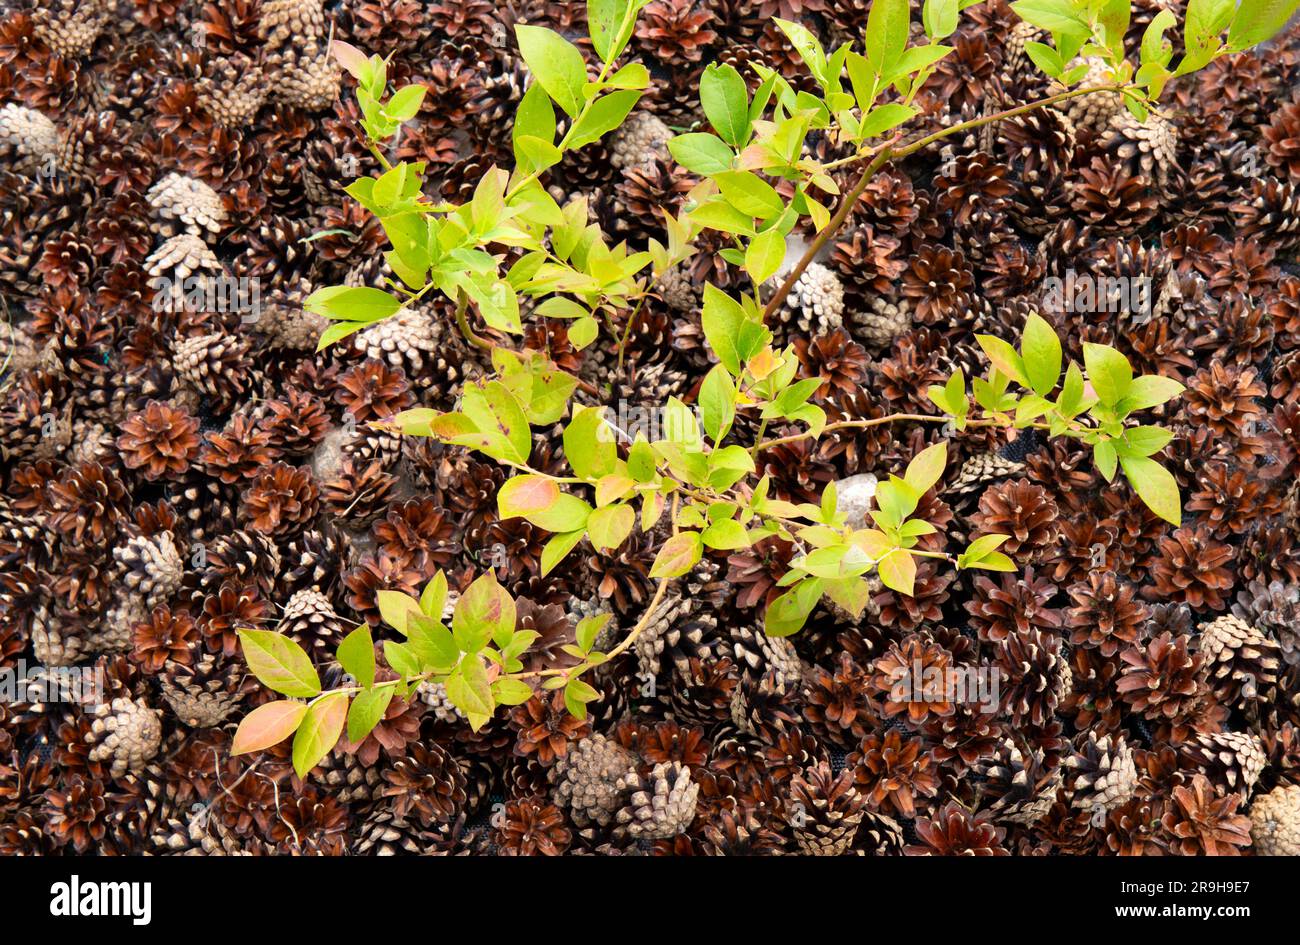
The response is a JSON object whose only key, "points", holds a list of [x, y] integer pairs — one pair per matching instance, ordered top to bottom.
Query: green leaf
{"points": [[1055, 16], [939, 17], [604, 19], [1259, 20], [888, 24], [806, 45], [1046, 58], [556, 63], [405, 103], [726, 103], [604, 115], [534, 117], [885, 118], [701, 153], [750, 194], [717, 214], [764, 255], [351, 303], [722, 319], [337, 332], [1040, 350], [1004, 357], [1109, 372], [1150, 390], [717, 403], [1145, 441], [589, 444], [1104, 455], [926, 467], [1155, 485], [522, 496], [569, 513], [608, 527], [725, 535], [983, 545], [555, 549], [678, 555], [994, 561], [897, 571], [434, 598], [396, 609], [485, 611], [788, 613], [589, 628], [432, 646], [357, 656], [279, 663], [469, 690], [507, 691], [576, 696], [365, 712], [267, 725], [319, 731]]}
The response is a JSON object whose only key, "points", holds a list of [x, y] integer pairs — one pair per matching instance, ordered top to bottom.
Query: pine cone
{"points": [[291, 22], [29, 141], [186, 205], [215, 365], [160, 440], [281, 500], [1022, 511], [153, 566], [1192, 567], [1105, 615], [310, 621], [1239, 662], [1161, 678], [202, 694], [125, 732], [1232, 761], [893, 772], [1105, 777], [591, 780], [426, 783], [1023, 789], [661, 803], [828, 809], [1275, 822], [1202, 823], [530, 827], [953, 831]]}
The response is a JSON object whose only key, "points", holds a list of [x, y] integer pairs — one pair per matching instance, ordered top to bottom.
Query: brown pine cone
{"points": [[160, 441], [237, 452], [281, 500], [1022, 511], [1192, 568], [1012, 604], [1106, 614], [164, 637], [1240, 662], [1161, 679], [836, 703], [893, 772], [827, 810], [1203, 823], [530, 826], [954, 831]]}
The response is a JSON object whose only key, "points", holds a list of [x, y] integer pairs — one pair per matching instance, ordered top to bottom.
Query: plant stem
{"points": [[973, 123], [889, 153], [831, 228], [462, 303]]}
